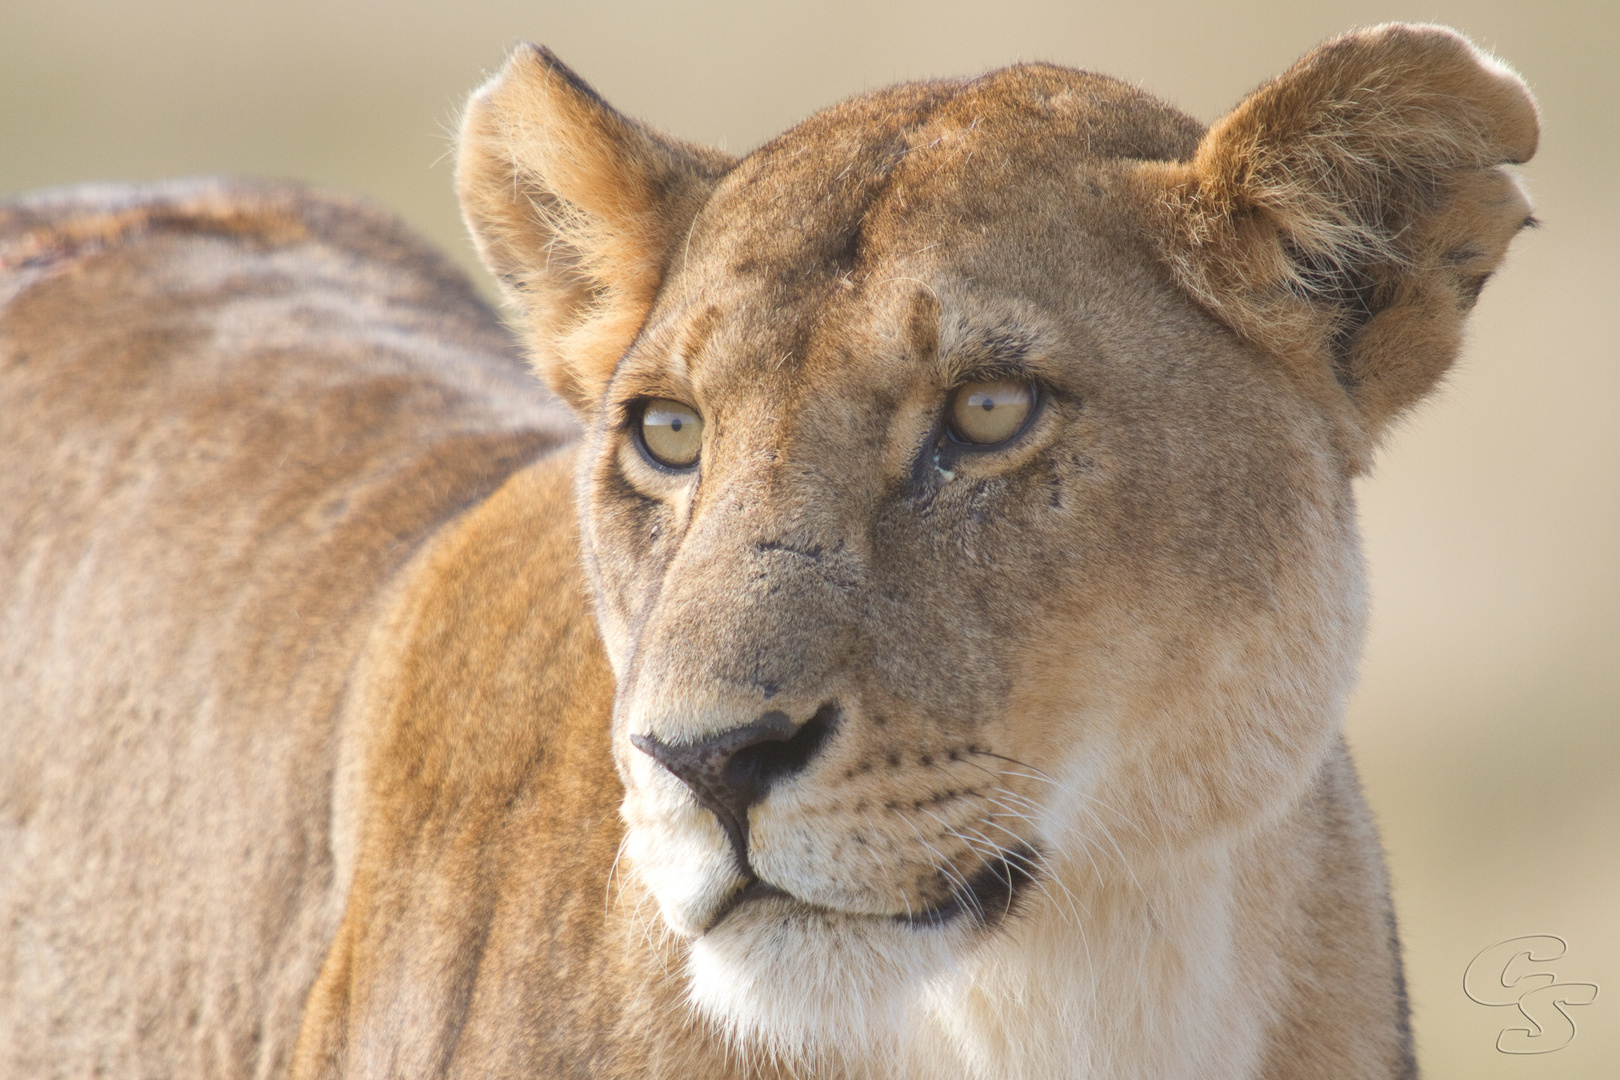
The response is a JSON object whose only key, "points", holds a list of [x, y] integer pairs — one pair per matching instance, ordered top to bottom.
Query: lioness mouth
{"points": [[988, 897]]}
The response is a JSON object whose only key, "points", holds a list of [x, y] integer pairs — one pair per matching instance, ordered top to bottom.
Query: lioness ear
{"points": [[576, 209], [1347, 213]]}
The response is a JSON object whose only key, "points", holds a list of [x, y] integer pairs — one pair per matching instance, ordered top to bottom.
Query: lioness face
{"points": [[966, 488], [1005, 652]]}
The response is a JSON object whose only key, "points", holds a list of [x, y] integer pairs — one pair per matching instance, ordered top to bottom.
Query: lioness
{"points": [[927, 659]]}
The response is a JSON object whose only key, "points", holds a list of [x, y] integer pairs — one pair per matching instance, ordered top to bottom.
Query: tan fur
{"points": [[230, 414], [285, 704]]}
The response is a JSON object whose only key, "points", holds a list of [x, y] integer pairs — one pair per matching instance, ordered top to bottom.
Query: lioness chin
{"points": [[927, 660]]}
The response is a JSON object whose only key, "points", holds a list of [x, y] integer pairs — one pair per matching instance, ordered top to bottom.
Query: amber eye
{"points": [[986, 413], [671, 432]]}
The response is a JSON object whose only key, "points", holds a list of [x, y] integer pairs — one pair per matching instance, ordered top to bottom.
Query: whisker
{"points": [[999, 773], [1039, 774], [1012, 809], [1143, 833], [1119, 856], [997, 857], [884, 862], [1030, 865], [613, 871], [959, 884], [1068, 893]]}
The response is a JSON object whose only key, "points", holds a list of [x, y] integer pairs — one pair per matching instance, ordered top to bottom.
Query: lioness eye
{"points": [[986, 413], [671, 432]]}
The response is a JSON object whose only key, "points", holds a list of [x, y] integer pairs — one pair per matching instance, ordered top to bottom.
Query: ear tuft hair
{"points": [[1346, 215]]}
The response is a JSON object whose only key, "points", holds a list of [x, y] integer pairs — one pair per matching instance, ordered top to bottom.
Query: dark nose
{"points": [[733, 770]]}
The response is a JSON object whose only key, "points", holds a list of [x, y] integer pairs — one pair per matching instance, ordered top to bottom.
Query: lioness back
{"points": [[230, 414], [928, 661]]}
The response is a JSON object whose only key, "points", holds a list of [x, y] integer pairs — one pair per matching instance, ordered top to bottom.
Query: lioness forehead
{"points": [[815, 196], [830, 231]]}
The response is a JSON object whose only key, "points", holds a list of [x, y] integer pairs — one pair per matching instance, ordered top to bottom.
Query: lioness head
{"points": [[966, 489]]}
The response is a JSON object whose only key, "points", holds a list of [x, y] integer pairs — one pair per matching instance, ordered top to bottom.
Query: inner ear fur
{"points": [[576, 209], [1347, 213]]}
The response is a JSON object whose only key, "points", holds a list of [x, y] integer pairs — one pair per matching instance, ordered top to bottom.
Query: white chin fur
{"points": [[690, 873], [812, 985]]}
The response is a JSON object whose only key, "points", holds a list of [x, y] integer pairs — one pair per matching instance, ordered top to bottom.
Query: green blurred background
{"points": [[1487, 722]]}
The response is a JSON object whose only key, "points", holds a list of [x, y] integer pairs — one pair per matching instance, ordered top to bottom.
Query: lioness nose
{"points": [[733, 770]]}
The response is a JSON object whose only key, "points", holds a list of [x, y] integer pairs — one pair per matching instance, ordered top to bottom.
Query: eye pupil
{"points": [[991, 412], [671, 433]]}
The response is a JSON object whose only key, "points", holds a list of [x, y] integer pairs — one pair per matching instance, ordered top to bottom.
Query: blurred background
{"points": [[1487, 723]]}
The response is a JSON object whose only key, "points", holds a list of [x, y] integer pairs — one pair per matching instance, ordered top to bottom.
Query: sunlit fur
{"points": [[380, 586]]}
